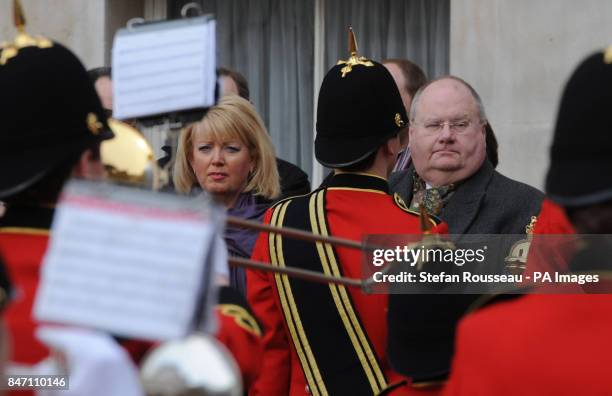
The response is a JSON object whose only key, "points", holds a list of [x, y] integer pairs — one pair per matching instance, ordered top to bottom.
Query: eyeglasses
{"points": [[436, 126]]}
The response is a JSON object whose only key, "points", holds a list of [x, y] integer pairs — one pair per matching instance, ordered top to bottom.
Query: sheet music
{"points": [[164, 67], [131, 269]]}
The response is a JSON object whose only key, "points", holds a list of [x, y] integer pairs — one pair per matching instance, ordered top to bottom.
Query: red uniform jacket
{"points": [[353, 206], [552, 220], [24, 235], [23, 241], [240, 333], [536, 344]]}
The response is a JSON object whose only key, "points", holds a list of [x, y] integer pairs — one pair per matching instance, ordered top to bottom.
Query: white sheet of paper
{"points": [[164, 67], [127, 261]]}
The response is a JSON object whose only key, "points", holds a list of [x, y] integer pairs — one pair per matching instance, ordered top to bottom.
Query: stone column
{"points": [[518, 54]]}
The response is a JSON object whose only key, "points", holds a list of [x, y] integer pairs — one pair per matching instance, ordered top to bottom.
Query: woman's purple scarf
{"points": [[240, 241]]}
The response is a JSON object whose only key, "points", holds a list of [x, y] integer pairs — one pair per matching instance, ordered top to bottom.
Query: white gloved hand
{"points": [[96, 364]]}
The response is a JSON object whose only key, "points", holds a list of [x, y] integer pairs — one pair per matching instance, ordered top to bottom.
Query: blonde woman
{"points": [[229, 155]]}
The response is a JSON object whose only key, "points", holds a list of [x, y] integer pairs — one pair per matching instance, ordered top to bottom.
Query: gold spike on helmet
{"points": [[22, 40], [353, 59], [128, 157]]}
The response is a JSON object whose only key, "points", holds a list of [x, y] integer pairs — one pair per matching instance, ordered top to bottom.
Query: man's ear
{"points": [[403, 136], [392, 146], [89, 166]]}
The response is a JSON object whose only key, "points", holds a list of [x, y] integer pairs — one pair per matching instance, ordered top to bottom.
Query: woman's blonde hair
{"points": [[233, 118]]}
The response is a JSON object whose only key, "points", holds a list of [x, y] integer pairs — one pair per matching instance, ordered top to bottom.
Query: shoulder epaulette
{"points": [[232, 304], [241, 317]]}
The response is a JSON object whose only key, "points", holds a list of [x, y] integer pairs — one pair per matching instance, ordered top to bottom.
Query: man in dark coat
{"points": [[450, 166], [454, 179]]}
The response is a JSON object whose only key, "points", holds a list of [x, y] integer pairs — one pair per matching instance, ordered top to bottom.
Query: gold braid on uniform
{"points": [[241, 316]]}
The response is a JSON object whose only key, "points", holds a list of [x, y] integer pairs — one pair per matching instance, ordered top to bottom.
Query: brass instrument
{"points": [[128, 158], [198, 365]]}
